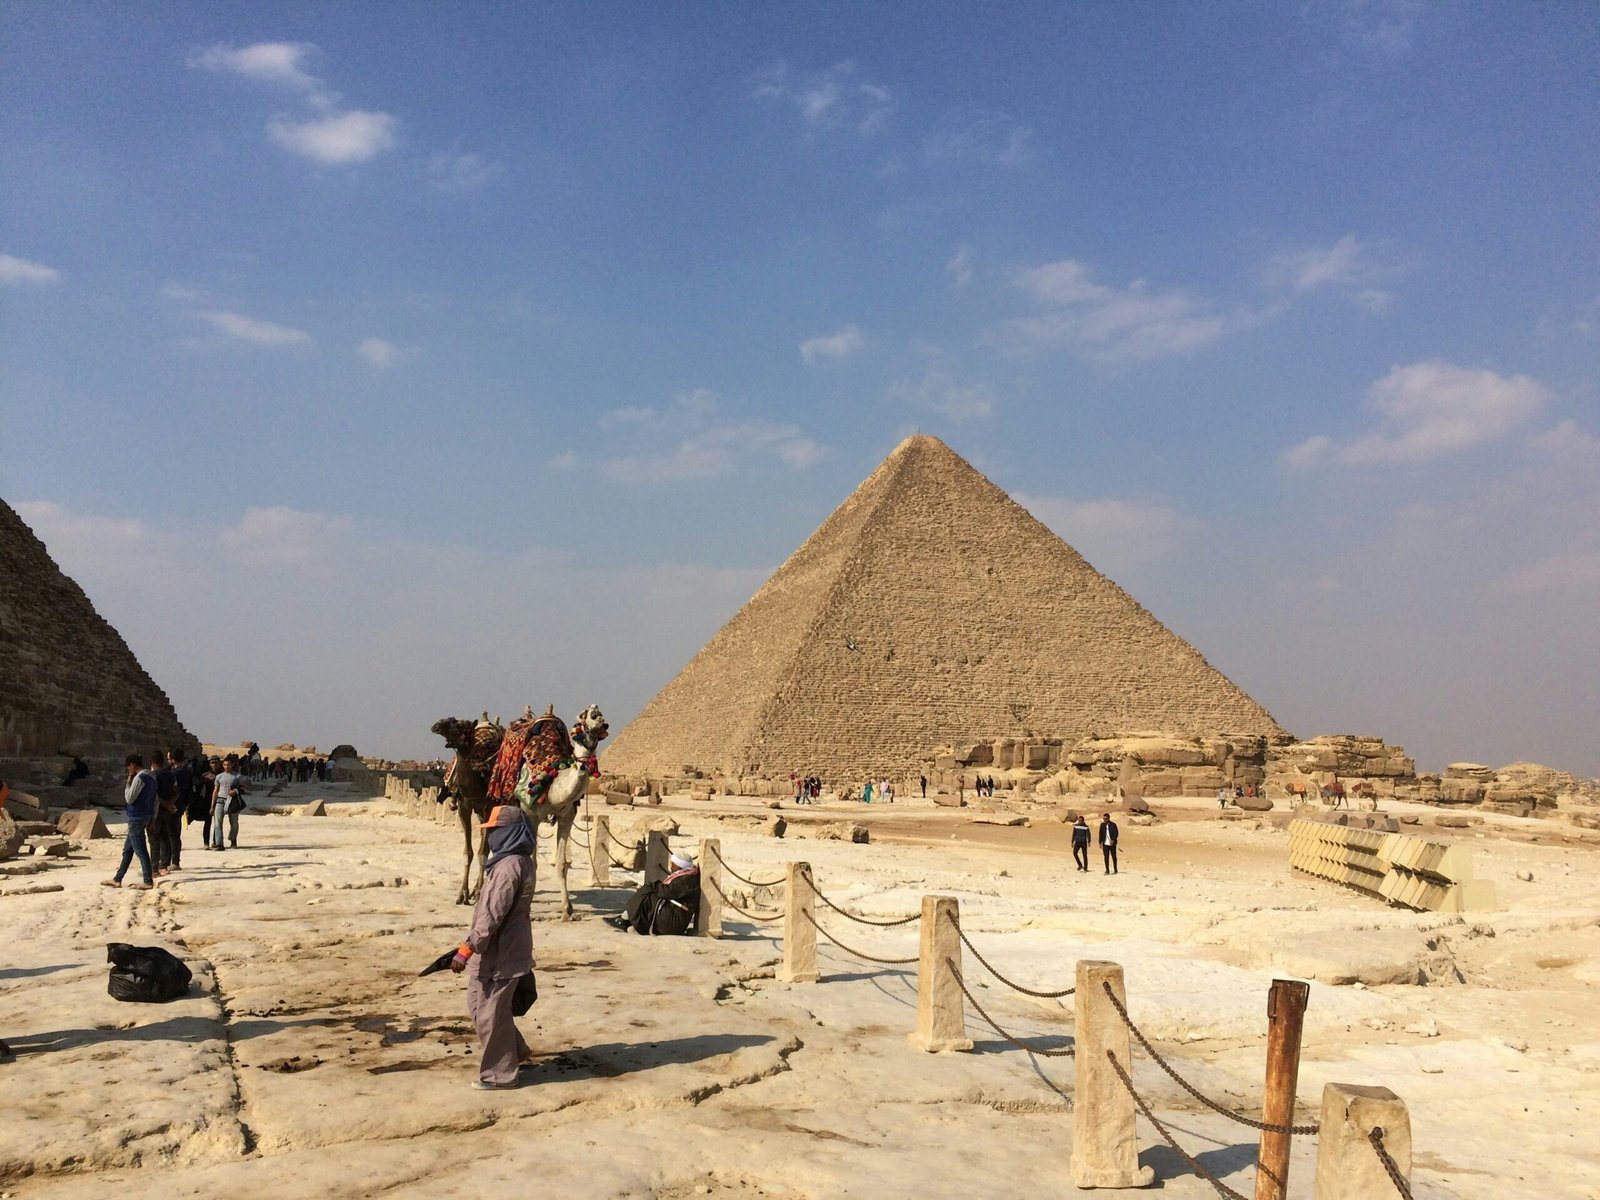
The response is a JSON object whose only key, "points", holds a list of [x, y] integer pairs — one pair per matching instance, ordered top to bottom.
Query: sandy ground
{"points": [[311, 1060]]}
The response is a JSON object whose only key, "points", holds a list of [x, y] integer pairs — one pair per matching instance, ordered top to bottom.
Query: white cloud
{"points": [[268, 62], [832, 99], [978, 135], [347, 137], [455, 172], [1350, 266], [960, 267], [21, 270], [183, 293], [1107, 323], [260, 333], [840, 344], [380, 353], [939, 391], [1429, 410], [685, 440], [567, 460], [1115, 535], [286, 536], [1576, 573]]}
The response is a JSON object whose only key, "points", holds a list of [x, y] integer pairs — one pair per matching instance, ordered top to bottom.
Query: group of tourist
{"points": [[300, 769], [806, 790], [168, 792], [1106, 839]]}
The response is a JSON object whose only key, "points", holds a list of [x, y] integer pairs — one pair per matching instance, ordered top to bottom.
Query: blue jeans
{"points": [[219, 814], [134, 844]]}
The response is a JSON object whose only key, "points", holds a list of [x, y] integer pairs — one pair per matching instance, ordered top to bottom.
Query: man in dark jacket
{"points": [[139, 807], [1108, 842], [1080, 843], [667, 906]]}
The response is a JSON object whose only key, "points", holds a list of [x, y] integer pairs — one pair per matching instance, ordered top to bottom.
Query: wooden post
{"points": [[600, 850], [656, 856], [709, 922], [799, 934], [941, 1008], [1286, 1011], [1105, 1146], [1347, 1166]]}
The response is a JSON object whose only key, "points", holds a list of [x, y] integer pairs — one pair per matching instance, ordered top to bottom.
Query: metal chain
{"points": [[619, 841], [740, 877], [737, 909], [916, 916], [888, 962], [962, 984], [1014, 986], [1263, 1126], [1375, 1138], [1222, 1188]]}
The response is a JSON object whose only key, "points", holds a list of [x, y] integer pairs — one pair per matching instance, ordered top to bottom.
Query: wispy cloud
{"points": [[837, 98], [334, 135], [978, 135], [347, 137], [457, 172], [1351, 266], [960, 267], [21, 270], [1108, 323], [257, 332], [840, 344], [380, 353], [939, 391], [1429, 410], [690, 438]]}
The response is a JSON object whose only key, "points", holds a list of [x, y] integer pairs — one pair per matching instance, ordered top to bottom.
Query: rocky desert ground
{"points": [[310, 1059]]}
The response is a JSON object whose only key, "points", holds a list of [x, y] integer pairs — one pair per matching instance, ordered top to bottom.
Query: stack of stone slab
{"points": [[1409, 871]]}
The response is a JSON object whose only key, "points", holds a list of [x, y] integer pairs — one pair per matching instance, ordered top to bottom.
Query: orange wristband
{"points": [[465, 951]]}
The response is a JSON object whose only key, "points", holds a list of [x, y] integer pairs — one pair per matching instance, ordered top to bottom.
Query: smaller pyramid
{"points": [[929, 609], [68, 682]]}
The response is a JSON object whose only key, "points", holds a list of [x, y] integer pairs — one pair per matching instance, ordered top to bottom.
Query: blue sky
{"points": [[367, 364]]}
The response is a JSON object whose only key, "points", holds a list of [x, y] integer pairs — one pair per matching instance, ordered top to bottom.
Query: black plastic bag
{"points": [[145, 974], [527, 992]]}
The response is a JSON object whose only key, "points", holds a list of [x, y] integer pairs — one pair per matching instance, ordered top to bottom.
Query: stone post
{"points": [[600, 850], [656, 857], [709, 922], [799, 934], [941, 1008], [1105, 1148], [1347, 1166]]}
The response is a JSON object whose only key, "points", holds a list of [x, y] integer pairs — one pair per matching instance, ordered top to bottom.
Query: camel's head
{"points": [[590, 728], [456, 731]]}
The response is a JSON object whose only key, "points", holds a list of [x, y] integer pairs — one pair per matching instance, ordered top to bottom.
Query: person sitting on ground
{"points": [[78, 770], [667, 906], [499, 946]]}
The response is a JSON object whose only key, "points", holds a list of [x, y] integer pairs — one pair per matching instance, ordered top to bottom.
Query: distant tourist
{"points": [[78, 770], [923, 780], [866, 792], [1222, 797], [227, 802], [139, 806], [1108, 842], [1080, 843], [499, 946]]}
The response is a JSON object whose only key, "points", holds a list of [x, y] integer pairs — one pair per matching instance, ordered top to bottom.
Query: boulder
{"points": [[701, 794], [618, 799], [945, 800], [1253, 803], [1136, 804], [24, 806], [315, 809], [997, 818], [1450, 821], [82, 825], [774, 826], [844, 831], [11, 838], [51, 847]]}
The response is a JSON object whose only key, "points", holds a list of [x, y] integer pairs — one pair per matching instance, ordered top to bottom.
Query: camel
{"points": [[537, 764]]}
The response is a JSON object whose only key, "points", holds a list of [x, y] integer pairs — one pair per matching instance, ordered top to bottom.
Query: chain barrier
{"points": [[619, 841], [740, 877], [752, 916], [916, 916], [888, 962], [988, 966], [1068, 1052], [1263, 1126], [1375, 1140], [1222, 1188]]}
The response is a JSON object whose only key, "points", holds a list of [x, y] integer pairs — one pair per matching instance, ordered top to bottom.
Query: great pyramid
{"points": [[929, 608], [67, 679]]}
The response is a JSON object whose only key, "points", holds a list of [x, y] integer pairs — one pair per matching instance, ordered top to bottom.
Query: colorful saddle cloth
{"points": [[531, 755]]}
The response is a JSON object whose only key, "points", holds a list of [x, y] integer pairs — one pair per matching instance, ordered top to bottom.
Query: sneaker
{"points": [[111, 883], [141, 887], [619, 923], [483, 1085]]}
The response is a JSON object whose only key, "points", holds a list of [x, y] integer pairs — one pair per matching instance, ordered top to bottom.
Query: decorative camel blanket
{"points": [[532, 754]]}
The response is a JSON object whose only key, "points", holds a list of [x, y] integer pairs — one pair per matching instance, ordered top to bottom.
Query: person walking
{"points": [[923, 780], [183, 801], [227, 801], [139, 806], [160, 831], [1108, 842], [1080, 843], [499, 946]]}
